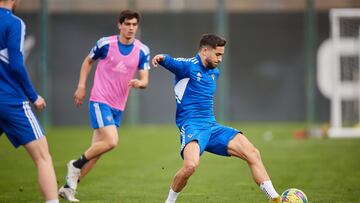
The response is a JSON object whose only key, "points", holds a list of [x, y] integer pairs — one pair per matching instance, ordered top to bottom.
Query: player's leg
{"points": [[22, 128], [104, 140], [242, 148], [39, 152], [191, 156]]}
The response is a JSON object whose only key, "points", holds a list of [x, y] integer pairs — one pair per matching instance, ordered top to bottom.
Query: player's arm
{"points": [[98, 51], [16, 61], [177, 67], [144, 68], [84, 74], [143, 80]]}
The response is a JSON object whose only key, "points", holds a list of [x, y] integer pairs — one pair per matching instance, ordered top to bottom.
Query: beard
{"points": [[210, 64]]}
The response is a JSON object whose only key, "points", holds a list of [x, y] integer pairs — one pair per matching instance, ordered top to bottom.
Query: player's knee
{"points": [[112, 144], [253, 155], [190, 168]]}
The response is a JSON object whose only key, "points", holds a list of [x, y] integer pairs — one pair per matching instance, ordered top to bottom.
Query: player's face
{"points": [[128, 28], [214, 56]]}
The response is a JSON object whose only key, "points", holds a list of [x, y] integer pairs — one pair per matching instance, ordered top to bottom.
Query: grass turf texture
{"points": [[143, 165]]}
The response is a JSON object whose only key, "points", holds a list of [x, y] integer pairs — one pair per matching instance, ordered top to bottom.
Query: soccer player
{"points": [[120, 56], [195, 86], [17, 120]]}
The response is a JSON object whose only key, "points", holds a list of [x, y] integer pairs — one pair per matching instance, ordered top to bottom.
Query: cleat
{"points": [[73, 175], [68, 194], [275, 200]]}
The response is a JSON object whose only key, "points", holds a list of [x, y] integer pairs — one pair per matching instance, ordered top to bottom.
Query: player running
{"points": [[120, 56], [195, 80], [17, 120]]}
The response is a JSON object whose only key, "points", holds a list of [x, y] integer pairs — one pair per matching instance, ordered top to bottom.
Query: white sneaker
{"points": [[73, 175], [68, 194]]}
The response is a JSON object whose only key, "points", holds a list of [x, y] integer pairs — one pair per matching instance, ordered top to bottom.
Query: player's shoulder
{"points": [[15, 21], [103, 41], [142, 47]]}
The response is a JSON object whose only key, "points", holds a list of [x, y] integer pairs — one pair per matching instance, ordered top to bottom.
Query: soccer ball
{"points": [[294, 195]]}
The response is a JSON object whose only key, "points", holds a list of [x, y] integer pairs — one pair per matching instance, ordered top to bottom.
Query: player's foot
{"points": [[73, 175], [68, 194], [275, 200]]}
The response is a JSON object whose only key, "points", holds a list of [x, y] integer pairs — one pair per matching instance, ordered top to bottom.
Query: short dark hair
{"points": [[128, 14], [212, 40]]}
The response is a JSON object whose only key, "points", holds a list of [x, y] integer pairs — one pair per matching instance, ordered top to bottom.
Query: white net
{"points": [[345, 115]]}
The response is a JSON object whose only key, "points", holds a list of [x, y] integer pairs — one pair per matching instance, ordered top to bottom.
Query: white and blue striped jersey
{"points": [[101, 49], [15, 85], [195, 86]]}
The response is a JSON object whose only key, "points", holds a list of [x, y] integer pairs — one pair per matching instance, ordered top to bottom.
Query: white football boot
{"points": [[73, 175], [68, 194]]}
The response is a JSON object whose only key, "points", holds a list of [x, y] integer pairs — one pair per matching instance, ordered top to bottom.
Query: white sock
{"points": [[269, 189], [172, 196], [52, 201]]}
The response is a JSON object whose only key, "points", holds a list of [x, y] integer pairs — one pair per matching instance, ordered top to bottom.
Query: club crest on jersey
{"points": [[198, 76], [213, 76], [190, 136]]}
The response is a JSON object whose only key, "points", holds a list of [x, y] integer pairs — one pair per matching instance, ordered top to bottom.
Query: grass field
{"points": [[141, 168]]}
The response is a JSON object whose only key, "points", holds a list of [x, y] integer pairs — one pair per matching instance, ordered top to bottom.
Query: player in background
{"points": [[120, 56], [195, 80], [17, 120]]}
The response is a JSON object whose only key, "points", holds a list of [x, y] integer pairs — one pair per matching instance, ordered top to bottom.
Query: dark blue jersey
{"points": [[15, 85], [195, 87]]}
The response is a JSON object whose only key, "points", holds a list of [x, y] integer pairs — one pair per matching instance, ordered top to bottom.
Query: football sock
{"points": [[80, 162], [269, 189], [172, 196], [52, 201]]}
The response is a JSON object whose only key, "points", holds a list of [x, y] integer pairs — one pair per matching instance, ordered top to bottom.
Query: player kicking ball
{"points": [[120, 56], [195, 86]]}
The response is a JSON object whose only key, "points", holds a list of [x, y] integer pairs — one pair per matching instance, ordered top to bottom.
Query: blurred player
{"points": [[120, 56], [194, 90], [17, 120]]}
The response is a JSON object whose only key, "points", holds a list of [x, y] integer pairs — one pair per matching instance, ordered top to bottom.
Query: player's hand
{"points": [[158, 58], [136, 83], [79, 96], [40, 103]]}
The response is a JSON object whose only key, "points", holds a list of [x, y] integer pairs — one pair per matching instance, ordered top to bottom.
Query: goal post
{"points": [[345, 95]]}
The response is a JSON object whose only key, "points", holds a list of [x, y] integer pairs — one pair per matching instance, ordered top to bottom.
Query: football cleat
{"points": [[73, 175], [68, 194], [275, 200]]}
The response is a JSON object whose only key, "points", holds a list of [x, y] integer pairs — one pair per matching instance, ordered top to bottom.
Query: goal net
{"points": [[345, 96]]}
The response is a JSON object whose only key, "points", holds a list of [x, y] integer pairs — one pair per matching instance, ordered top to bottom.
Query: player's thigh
{"points": [[19, 123], [106, 134], [220, 137], [240, 146], [38, 149], [192, 153]]}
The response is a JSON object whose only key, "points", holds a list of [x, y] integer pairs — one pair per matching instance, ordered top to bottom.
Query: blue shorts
{"points": [[102, 115], [19, 123], [213, 137]]}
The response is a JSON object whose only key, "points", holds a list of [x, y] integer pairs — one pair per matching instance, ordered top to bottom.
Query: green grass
{"points": [[142, 167]]}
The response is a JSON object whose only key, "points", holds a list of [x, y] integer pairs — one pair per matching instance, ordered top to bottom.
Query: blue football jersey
{"points": [[15, 85], [195, 87]]}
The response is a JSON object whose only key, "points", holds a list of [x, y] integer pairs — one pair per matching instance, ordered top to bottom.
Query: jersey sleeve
{"points": [[15, 44], [100, 49], [144, 63], [179, 66]]}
